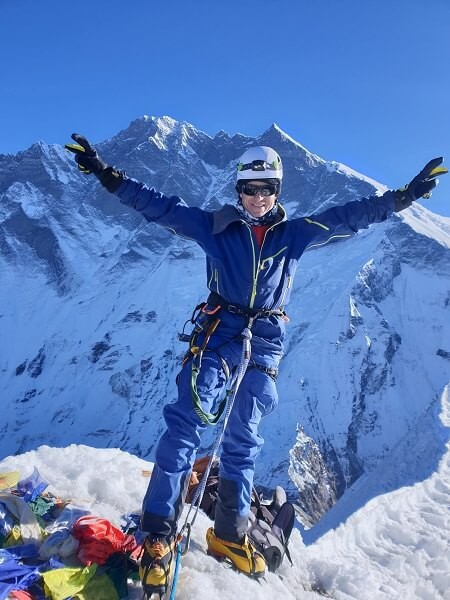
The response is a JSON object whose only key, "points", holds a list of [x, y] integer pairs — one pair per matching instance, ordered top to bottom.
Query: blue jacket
{"points": [[237, 268]]}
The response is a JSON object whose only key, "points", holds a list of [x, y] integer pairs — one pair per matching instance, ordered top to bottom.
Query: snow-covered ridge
{"points": [[341, 168], [428, 224], [92, 298], [390, 548]]}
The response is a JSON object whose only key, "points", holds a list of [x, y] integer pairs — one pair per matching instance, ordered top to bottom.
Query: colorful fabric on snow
{"points": [[9, 479], [30, 487], [42, 506], [66, 519], [7, 521], [29, 527], [99, 539], [21, 542], [60, 543], [16, 576], [61, 584], [20, 595]]}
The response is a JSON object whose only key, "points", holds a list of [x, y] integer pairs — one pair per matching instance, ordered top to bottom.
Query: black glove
{"points": [[89, 162], [421, 186]]}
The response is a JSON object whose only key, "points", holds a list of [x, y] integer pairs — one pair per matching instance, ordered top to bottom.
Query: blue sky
{"points": [[363, 82]]}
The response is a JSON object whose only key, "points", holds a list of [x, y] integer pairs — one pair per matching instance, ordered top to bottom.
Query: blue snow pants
{"points": [[176, 451]]}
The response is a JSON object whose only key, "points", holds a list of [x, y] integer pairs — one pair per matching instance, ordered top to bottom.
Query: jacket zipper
{"points": [[257, 269]]}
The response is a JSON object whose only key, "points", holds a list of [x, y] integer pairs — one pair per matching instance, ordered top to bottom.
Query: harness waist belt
{"points": [[216, 300], [269, 370]]}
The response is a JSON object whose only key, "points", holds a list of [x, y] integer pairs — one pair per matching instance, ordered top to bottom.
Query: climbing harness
{"points": [[214, 299], [200, 308], [206, 327], [271, 371]]}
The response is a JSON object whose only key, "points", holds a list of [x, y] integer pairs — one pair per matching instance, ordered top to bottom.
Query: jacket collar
{"points": [[228, 214]]}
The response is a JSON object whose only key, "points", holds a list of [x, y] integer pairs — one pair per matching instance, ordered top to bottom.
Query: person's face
{"points": [[258, 204]]}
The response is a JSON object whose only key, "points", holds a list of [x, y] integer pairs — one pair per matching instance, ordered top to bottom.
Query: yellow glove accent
{"points": [[75, 148], [437, 171]]}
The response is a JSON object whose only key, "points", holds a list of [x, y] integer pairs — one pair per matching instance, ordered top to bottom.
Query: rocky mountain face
{"points": [[92, 298]]}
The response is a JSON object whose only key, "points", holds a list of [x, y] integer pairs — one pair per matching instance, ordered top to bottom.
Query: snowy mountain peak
{"points": [[276, 131], [341, 168], [92, 298]]}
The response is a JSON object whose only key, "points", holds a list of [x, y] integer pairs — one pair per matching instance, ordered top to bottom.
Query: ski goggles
{"points": [[250, 189]]}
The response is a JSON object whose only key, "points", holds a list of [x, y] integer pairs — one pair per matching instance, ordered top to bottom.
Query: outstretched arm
{"points": [[170, 212], [341, 222]]}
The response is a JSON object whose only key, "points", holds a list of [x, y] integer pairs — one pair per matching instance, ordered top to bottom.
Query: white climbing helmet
{"points": [[260, 162]]}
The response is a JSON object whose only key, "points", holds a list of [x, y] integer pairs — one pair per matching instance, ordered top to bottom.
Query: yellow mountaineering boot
{"points": [[243, 555], [157, 565]]}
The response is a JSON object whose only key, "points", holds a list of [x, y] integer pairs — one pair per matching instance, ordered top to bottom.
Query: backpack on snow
{"points": [[270, 524]]}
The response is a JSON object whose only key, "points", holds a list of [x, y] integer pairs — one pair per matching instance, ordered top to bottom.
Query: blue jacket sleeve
{"points": [[170, 212], [340, 222]]}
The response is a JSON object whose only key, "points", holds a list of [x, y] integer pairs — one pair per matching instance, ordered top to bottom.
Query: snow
{"points": [[313, 158], [341, 168], [34, 204], [427, 223], [400, 538], [394, 546]]}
